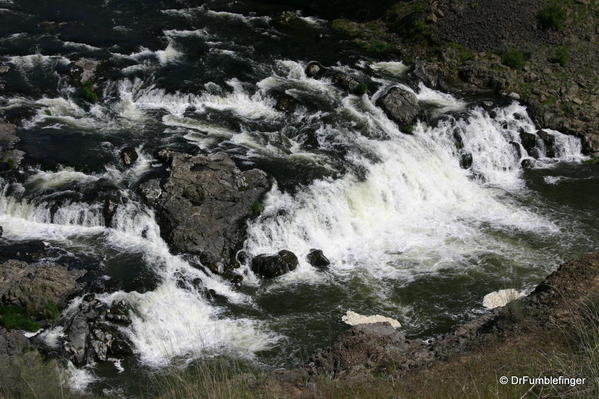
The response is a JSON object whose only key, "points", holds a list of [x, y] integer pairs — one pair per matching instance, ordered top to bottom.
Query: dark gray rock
{"points": [[346, 82], [400, 105], [529, 142], [549, 142], [128, 156], [466, 160], [203, 205], [317, 259], [270, 266]]}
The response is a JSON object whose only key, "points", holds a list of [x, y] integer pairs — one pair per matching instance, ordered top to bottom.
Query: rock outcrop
{"points": [[203, 204], [33, 287], [92, 332]]}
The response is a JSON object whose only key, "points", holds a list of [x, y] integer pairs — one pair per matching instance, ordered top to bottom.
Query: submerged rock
{"points": [[400, 105], [128, 156], [203, 204], [317, 259], [270, 266], [34, 287]]}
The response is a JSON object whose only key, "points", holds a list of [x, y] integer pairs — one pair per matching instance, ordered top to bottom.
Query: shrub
{"points": [[552, 16], [374, 46], [561, 56], [513, 58], [15, 317]]}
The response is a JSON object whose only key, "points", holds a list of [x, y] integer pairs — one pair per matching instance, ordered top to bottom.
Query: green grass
{"points": [[552, 16], [375, 46], [513, 58], [257, 207], [51, 311], [15, 317]]}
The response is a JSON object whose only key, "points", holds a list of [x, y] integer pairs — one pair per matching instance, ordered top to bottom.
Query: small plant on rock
{"points": [[552, 16], [513, 58]]}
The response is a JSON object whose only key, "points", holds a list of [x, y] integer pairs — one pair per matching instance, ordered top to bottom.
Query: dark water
{"points": [[410, 234]]}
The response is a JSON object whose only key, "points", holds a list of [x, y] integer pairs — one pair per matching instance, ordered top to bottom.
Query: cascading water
{"points": [[410, 233]]}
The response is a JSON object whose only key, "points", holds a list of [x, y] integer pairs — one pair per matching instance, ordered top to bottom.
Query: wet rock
{"points": [[4, 69], [84, 70], [315, 70], [427, 73], [346, 82], [286, 103], [400, 105], [549, 141], [529, 142], [128, 156], [10, 158], [466, 160], [527, 163], [150, 191], [204, 203], [25, 251], [317, 259], [270, 266], [33, 287], [92, 332], [12, 343]]}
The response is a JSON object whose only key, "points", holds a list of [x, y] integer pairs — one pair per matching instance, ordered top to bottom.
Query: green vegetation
{"points": [[553, 16], [409, 19], [375, 46], [561, 56], [513, 58], [361, 89], [88, 93], [592, 161], [257, 207], [51, 311], [15, 317]]}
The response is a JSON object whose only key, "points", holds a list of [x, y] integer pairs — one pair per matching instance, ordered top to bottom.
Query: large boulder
{"points": [[400, 105], [203, 204], [270, 266], [34, 287]]}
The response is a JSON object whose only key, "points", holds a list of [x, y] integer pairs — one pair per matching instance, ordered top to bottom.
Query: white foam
{"points": [[396, 68]]}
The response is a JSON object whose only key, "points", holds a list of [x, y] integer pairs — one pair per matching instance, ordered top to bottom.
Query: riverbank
{"points": [[541, 52], [551, 332]]}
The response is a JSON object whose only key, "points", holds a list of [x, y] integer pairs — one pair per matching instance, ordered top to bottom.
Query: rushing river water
{"points": [[410, 234]]}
